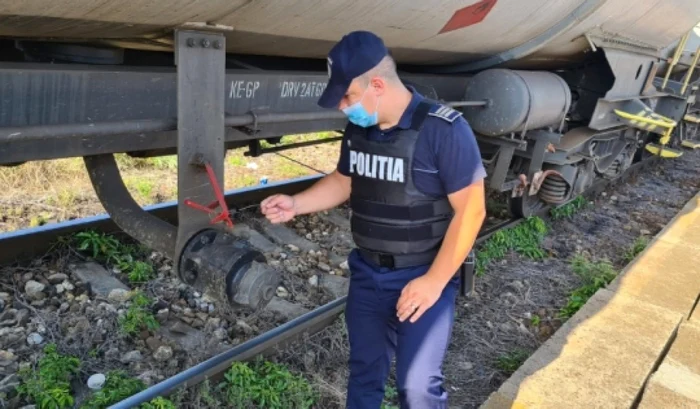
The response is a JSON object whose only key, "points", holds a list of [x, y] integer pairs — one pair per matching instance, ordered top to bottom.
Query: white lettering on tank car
{"points": [[243, 89], [301, 89], [377, 166]]}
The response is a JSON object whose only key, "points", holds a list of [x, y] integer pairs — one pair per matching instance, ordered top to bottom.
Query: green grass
{"points": [[237, 161], [569, 209], [524, 239], [637, 247], [107, 249], [130, 259], [140, 272], [595, 275], [138, 316], [511, 361], [255, 384], [250, 385], [266, 385], [118, 386], [50, 387], [390, 398]]}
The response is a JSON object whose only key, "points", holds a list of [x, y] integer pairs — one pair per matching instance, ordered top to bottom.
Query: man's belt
{"points": [[399, 260], [466, 271]]}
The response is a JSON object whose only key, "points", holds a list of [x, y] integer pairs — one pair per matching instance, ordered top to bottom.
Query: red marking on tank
{"points": [[469, 15]]}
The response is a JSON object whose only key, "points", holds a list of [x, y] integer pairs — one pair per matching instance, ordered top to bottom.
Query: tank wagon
{"points": [[558, 93]]}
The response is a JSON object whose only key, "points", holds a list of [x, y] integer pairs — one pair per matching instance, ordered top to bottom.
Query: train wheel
{"points": [[526, 206]]}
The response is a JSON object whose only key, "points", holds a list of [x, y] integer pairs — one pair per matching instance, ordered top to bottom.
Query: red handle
{"points": [[224, 215]]}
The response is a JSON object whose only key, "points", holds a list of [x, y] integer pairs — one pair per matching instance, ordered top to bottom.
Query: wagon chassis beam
{"points": [[53, 111], [205, 254]]}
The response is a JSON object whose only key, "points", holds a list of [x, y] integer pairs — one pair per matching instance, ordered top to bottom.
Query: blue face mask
{"points": [[358, 115]]}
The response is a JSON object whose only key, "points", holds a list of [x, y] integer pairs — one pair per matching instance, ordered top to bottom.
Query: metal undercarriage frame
{"points": [[201, 109], [198, 111], [611, 133]]}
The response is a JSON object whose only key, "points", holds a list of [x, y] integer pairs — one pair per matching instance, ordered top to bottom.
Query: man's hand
{"points": [[327, 193], [278, 208], [418, 295]]}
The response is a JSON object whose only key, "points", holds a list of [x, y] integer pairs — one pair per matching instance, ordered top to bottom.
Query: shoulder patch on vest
{"points": [[445, 112]]}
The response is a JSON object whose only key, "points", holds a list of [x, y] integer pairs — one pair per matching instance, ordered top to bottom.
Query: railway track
{"points": [[35, 242]]}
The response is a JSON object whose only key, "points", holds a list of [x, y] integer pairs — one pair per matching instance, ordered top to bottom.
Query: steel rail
{"points": [[34, 242], [314, 321], [310, 322]]}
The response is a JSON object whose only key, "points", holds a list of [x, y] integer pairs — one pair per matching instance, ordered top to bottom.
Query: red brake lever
{"points": [[224, 215]]}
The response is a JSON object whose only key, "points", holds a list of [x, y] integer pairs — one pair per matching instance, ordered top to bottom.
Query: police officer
{"points": [[412, 172]]}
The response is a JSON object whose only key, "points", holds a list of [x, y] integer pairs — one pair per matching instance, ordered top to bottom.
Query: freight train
{"points": [[558, 94]]}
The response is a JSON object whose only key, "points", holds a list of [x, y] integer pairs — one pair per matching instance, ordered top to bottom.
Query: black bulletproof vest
{"points": [[393, 222]]}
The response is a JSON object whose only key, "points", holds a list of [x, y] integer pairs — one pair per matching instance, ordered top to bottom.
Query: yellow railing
{"points": [[676, 58], [690, 70], [657, 120], [650, 124]]}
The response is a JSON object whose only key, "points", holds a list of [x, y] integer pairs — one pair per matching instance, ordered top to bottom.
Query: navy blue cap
{"points": [[355, 54]]}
